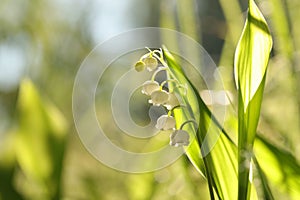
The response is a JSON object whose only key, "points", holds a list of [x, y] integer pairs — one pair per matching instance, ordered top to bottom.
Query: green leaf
{"points": [[252, 54], [251, 59], [40, 140], [222, 163], [219, 166], [280, 166], [8, 168], [263, 182]]}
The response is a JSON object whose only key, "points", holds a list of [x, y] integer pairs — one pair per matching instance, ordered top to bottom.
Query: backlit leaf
{"points": [[251, 59], [40, 139]]}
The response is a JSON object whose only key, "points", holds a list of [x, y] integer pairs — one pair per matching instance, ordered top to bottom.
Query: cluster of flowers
{"points": [[160, 97]]}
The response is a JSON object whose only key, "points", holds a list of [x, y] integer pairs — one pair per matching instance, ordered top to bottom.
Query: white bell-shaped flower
{"points": [[151, 63], [139, 66], [149, 87], [159, 97], [172, 101], [165, 122], [179, 138]]}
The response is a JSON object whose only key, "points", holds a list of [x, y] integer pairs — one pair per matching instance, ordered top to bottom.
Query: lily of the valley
{"points": [[151, 63], [139, 66], [149, 87], [159, 97], [172, 101], [165, 122], [179, 138]]}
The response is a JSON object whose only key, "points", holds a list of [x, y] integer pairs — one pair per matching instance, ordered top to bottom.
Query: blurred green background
{"points": [[42, 44]]}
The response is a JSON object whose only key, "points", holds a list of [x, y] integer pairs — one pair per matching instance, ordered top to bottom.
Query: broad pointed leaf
{"points": [[251, 59], [40, 140], [219, 165]]}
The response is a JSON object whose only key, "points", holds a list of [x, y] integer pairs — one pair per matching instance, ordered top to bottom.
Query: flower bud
{"points": [[151, 63], [139, 66], [149, 87], [159, 97], [172, 101], [165, 122], [179, 138]]}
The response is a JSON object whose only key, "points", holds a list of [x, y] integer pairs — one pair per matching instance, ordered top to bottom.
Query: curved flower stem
{"points": [[148, 49], [159, 52], [152, 53], [145, 56], [162, 61], [165, 67], [157, 71], [169, 80], [179, 106], [169, 113], [189, 121]]}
